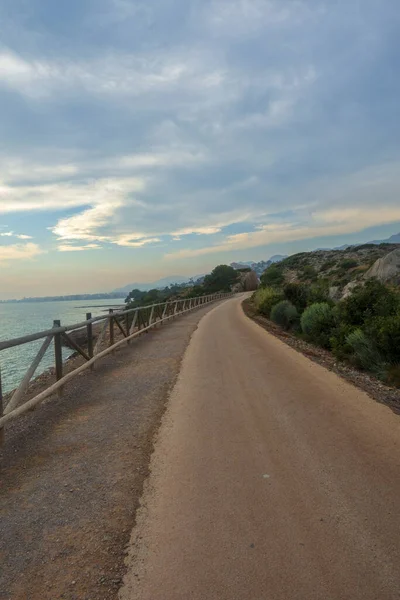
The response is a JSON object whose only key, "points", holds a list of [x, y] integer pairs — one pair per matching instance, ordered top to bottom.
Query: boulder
{"points": [[386, 269], [248, 282], [237, 287], [348, 289], [334, 293]]}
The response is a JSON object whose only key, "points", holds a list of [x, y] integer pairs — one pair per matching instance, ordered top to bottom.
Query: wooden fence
{"points": [[130, 323]]}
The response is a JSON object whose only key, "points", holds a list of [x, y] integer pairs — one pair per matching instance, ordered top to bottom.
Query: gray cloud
{"points": [[184, 119]]}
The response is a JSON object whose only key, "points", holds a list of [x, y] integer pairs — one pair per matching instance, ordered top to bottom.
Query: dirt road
{"points": [[272, 478]]}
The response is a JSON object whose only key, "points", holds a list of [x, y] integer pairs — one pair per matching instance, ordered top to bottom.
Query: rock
{"points": [[386, 269], [248, 282], [238, 287], [348, 289], [334, 293], [79, 337]]}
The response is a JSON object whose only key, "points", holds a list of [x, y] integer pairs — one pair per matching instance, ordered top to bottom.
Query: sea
{"points": [[18, 319]]}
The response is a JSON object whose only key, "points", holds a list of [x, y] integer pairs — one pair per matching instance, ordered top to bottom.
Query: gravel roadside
{"points": [[72, 472]]}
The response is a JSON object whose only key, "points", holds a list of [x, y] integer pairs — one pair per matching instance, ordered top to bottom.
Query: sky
{"points": [[145, 139]]}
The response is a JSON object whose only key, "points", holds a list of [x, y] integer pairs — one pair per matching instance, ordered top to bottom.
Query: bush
{"points": [[294, 261], [348, 263], [328, 264], [308, 273], [272, 276], [319, 292], [297, 294], [266, 298], [371, 300], [284, 314], [317, 323], [385, 331], [338, 341], [365, 353]]}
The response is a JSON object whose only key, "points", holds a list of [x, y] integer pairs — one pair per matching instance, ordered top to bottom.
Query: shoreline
{"points": [[43, 380]]}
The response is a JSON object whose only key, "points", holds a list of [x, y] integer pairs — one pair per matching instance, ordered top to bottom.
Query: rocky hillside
{"points": [[340, 270]]}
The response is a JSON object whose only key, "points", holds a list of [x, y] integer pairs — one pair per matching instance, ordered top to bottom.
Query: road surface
{"points": [[272, 478]]}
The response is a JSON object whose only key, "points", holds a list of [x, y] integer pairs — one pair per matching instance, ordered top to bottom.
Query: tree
{"points": [[273, 276], [221, 279]]}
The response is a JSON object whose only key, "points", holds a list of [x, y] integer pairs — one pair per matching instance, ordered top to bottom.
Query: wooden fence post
{"points": [[110, 312], [164, 312], [134, 321], [127, 326], [89, 329], [58, 354], [23, 386], [1, 411]]}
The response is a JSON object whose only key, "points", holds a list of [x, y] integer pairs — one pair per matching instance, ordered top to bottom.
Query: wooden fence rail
{"points": [[130, 323]]}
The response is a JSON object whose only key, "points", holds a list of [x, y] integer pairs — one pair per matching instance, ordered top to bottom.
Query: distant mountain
{"points": [[393, 239], [277, 258], [242, 264], [159, 284]]}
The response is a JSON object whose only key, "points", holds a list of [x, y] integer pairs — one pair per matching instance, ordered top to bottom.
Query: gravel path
{"points": [[72, 472]]}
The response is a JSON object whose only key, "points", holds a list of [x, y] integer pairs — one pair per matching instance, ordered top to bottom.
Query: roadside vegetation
{"points": [[221, 279], [362, 327]]}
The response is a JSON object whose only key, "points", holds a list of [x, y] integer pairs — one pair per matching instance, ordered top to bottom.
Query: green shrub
{"points": [[294, 261], [348, 263], [328, 264], [308, 274], [273, 275], [319, 292], [297, 294], [265, 298], [371, 300], [284, 314], [317, 323], [385, 331], [338, 340], [365, 353]]}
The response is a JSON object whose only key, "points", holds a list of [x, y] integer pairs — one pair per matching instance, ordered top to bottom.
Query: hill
{"points": [[259, 267], [338, 270], [346, 301]]}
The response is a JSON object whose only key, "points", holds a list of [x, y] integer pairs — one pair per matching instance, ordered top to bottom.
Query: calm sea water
{"points": [[21, 319]]}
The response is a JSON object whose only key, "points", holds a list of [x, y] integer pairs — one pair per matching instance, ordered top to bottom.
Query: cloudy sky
{"points": [[146, 139]]}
